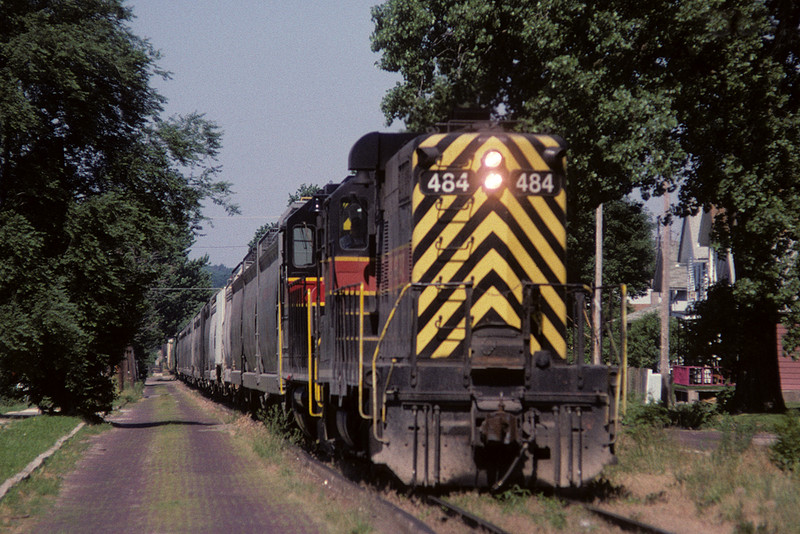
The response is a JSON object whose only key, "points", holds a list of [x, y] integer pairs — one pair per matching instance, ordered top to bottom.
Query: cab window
{"points": [[353, 224], [302, 246]]}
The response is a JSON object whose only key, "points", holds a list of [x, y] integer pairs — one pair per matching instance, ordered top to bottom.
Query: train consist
{"points": [[417, 314]]}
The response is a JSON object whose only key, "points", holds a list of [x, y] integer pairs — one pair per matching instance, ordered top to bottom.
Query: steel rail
{"points": [[465, 516], [625, 523]]}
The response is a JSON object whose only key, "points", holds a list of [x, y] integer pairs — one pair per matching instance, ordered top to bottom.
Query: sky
{"points": [[292, 85]]}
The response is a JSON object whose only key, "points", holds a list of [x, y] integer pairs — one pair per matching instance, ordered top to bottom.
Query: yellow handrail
{"points": [[624, 327], [361, 353], [311, 383], [281, 386], [375, 415]]}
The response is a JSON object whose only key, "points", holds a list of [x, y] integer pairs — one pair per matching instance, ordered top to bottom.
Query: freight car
{"points": [[417, 314]]}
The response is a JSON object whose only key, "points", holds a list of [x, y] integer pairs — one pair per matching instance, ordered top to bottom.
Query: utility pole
{"points": [[597, 329], [663, 362]]}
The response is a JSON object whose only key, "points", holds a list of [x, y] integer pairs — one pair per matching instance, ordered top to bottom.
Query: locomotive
{"points": [[417, 314]]}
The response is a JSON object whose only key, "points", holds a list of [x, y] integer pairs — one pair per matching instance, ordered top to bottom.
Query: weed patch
{"points": [[129, 395], [280, 431]]}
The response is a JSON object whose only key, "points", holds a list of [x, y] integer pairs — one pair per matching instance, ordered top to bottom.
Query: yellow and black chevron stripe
{"points": [[494, 241]]}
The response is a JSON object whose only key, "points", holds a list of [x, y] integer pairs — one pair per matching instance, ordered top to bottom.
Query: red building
{"points": [[789, 370]]}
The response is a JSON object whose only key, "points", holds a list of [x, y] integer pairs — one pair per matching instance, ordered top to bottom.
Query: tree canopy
{"points": [[700, 97], [303, 190], [98, 198]]}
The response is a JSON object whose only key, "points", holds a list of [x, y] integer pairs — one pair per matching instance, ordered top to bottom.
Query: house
{"points": [[694, 267]]}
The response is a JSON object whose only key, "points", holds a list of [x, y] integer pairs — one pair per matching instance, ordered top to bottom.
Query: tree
{"points": [[699, 96], [305, 190], [97, 195], [261, 232], [628, 246], [219, 274], [644, 340]]}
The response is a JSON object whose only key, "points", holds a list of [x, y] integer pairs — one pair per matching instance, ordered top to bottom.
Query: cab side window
{"points": [[353, 224], [302, 245]]}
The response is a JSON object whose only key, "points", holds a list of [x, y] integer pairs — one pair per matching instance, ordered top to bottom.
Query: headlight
{"points": [[492, 159], [493, 180]]}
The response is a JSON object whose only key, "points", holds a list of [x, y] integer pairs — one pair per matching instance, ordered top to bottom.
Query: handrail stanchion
{"points": [[624, 348], [311, 381], [281, 385]]}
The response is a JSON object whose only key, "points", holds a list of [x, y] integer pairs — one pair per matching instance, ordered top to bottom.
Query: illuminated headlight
{"points": [[492, 159], [493, 180]]}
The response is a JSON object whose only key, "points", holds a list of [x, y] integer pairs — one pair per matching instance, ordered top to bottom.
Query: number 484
{"points": [[448, 182], [535, 183]]}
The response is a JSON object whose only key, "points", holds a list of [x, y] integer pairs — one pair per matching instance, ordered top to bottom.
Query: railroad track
{"points": [[465, 516], [627, 524]]}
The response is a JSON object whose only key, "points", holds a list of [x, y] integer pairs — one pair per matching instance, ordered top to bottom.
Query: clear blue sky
{"points": [[291, 84]]}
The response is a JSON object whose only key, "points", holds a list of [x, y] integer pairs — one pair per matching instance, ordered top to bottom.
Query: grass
{"points": [[129, 395], [23, 440], [272, 441], [737, 487], [34, 496], [521, 510]]}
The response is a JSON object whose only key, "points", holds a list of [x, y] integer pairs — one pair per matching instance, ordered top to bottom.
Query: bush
{"points": [[725, 400], [648, 415], [657, 415], [694, 415], [785, 453]]}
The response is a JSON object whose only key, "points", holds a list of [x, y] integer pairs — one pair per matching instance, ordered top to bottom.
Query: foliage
{"points": [[699, 97], [305, 190], [98, 199], [628, 246], [219, 274], [726, 329], [644, 340], [640, 414], [657, 415], [693, 415], [281, 432], [786, 451], [733, 488], [513, 499]]}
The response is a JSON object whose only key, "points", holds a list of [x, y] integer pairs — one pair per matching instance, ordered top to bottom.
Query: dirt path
{"points": [[169, 467]]}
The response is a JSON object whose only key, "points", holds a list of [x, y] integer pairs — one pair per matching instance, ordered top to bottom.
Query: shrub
{"points": [[649, 415], [694, 415], [785, 452]]}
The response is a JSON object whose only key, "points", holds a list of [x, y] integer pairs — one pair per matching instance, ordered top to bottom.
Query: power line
{"points": [[238, 218], [220, 246], [185, 288]]}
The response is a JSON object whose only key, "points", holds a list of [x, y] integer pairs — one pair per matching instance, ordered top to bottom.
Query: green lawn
{"points": [[23, 440]]}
